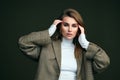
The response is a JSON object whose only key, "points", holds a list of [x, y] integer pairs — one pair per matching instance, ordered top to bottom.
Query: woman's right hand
{"points": [[57, 21], [53, 27]]}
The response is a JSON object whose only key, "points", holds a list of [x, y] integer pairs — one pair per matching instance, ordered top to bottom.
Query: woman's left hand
{"points": [[82, 29], [82, 38]]}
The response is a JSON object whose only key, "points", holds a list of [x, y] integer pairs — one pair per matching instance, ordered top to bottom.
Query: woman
{"points": [[63, 52]]}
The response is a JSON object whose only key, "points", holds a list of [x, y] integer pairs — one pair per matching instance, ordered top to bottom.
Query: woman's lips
{"points": [[69, 34]]}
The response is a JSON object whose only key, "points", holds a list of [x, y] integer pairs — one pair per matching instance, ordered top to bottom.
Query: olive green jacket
{"points": [[38, 45]]}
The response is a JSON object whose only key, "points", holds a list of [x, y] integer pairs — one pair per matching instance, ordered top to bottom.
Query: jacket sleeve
{"points": [[31, 44], [100, 60]]}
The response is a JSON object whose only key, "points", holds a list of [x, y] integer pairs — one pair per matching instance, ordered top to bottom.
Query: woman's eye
{"points": [[65, 24], [74, 25]]}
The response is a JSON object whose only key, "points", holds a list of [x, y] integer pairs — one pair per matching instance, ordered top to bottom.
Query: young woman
{"points": [[63, 52]]}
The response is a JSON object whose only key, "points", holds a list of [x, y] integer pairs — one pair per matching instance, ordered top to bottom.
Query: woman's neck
{"points": [[67, 42]]}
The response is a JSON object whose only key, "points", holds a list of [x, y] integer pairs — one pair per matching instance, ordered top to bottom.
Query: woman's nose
{"points": [[69, 28]]}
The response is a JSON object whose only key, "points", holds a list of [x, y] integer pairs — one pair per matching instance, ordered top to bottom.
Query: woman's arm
{"points": [[31, 44], [97, 55], [100, 60]]}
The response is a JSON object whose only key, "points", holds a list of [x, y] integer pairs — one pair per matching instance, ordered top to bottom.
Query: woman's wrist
{"points": [[52, 29], [83, 41]]}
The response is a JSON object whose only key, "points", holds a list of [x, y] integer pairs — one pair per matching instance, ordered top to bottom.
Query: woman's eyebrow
{"points": [[65, 22], [68, 23]]}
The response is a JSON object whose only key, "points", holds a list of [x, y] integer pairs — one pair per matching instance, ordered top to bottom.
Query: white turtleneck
{"points": [[68, 61]]}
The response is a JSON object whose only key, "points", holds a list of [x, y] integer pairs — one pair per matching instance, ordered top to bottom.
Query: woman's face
{"points": [[69, 28]]}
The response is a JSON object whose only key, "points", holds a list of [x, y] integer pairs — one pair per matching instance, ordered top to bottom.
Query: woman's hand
{"points": [[57, 21], [53, 27], [82, 29], [82, 38]]}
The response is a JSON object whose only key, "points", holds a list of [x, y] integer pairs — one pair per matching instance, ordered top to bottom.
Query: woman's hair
{"points": [[58, 36]]}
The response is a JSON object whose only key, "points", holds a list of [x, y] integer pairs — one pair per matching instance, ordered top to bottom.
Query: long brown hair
{"points": [[58, 36]]}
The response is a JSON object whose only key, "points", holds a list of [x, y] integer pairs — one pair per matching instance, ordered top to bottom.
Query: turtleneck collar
{"points": [[67, 42]]}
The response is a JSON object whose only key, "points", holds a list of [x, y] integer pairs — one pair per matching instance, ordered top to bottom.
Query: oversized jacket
{"points": [[39, 46]]}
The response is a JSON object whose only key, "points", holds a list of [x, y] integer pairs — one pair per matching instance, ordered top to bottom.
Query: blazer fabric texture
{"points": [[38, 45]]}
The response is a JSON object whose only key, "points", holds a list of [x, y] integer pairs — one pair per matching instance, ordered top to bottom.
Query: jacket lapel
{"points": [[57, 51], [79, 62]]}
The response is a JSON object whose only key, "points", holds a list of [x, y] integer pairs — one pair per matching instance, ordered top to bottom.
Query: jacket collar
{"points": [[57, 51]]}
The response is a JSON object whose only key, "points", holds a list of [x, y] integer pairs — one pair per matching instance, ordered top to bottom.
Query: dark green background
{"points": [[22, 17]]}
